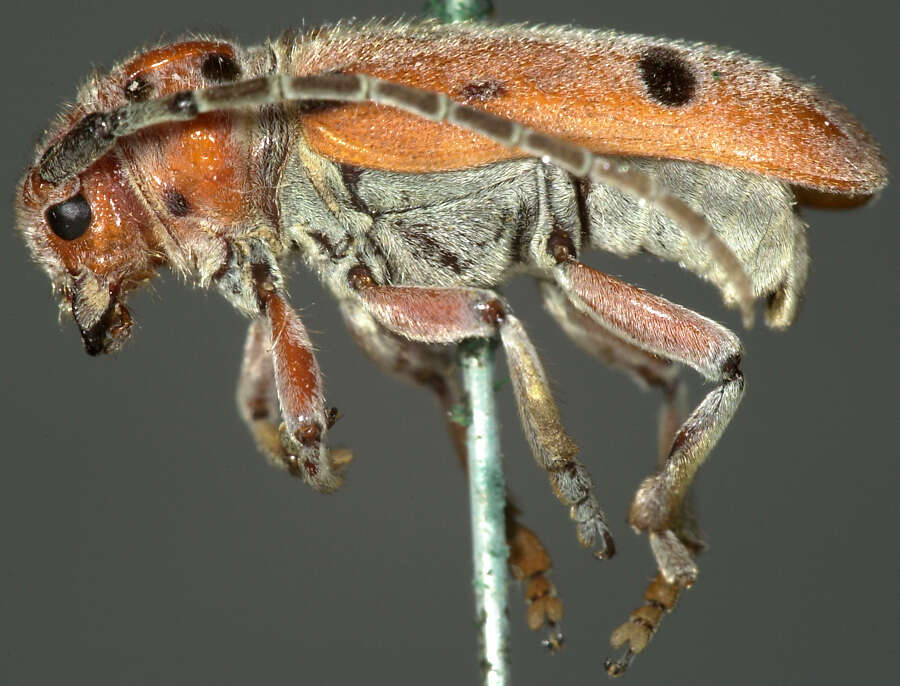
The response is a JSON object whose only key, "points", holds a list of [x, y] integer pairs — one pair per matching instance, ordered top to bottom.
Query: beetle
{"points": [[152, 164]]}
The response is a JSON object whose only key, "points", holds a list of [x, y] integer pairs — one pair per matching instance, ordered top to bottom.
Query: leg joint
{"points": [[560, 246], [360, 277], [492, 311], [731, 367]]}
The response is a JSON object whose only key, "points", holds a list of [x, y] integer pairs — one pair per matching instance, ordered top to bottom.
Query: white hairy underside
{"points": [[475, 227]]}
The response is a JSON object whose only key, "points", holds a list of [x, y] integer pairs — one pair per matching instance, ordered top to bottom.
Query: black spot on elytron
{"points": [[220, 68], [668, 78], [138, 89], [482, 91], [176, 203], [69, 219]]}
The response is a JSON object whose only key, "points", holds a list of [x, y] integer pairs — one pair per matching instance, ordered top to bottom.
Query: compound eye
{"points": [[70, 219]]}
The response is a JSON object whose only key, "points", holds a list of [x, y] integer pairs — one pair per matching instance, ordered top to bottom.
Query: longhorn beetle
{"points": [[414, 167]]}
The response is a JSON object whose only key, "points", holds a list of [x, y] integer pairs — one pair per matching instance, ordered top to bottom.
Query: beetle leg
{"points": [[450, 315], [674, 332], [279, 364], [435, 368], [646, 369], [653, 371], [257, 398], [258, 404], [529, 563], [660, 598]]}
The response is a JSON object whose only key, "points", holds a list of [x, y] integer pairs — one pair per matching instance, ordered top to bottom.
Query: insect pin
{"points": [[415, 167]]}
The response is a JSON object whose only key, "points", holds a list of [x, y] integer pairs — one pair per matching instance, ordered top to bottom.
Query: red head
{"points": [[151, 200]]}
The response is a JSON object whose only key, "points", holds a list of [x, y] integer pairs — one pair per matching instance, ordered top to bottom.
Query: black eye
{"points": [[70, 219]]}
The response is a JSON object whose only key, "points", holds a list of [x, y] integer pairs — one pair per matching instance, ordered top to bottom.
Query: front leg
{"points": [[450, 315], [676, 333], [280, 371], [257, 399]]}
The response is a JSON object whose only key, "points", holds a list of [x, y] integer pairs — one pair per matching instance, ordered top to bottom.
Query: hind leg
{"points": [[662, 328], [672, 332], [435, 368], [648, 371]]}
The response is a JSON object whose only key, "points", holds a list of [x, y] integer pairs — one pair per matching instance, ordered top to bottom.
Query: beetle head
{"points": [[101, 229], [92, 235]]}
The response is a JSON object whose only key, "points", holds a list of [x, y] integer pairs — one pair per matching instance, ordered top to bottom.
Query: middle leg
{"points": [[450, 315], [435, 368]]}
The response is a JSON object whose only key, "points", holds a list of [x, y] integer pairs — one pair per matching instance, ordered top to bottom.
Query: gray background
{"points": [[144, 540]]}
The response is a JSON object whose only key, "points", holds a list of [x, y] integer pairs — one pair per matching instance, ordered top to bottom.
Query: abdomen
{"points": [[753, 214]]}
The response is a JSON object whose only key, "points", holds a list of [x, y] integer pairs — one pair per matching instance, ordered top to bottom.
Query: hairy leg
{"points": [[449, 315], [676, 333], [435, 367], [646, 369], [649, 371], [280, 398], [257, 399], [660, 598]]}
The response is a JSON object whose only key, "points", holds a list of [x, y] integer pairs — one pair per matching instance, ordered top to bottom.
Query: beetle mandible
{"points": [[415, 167]]}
